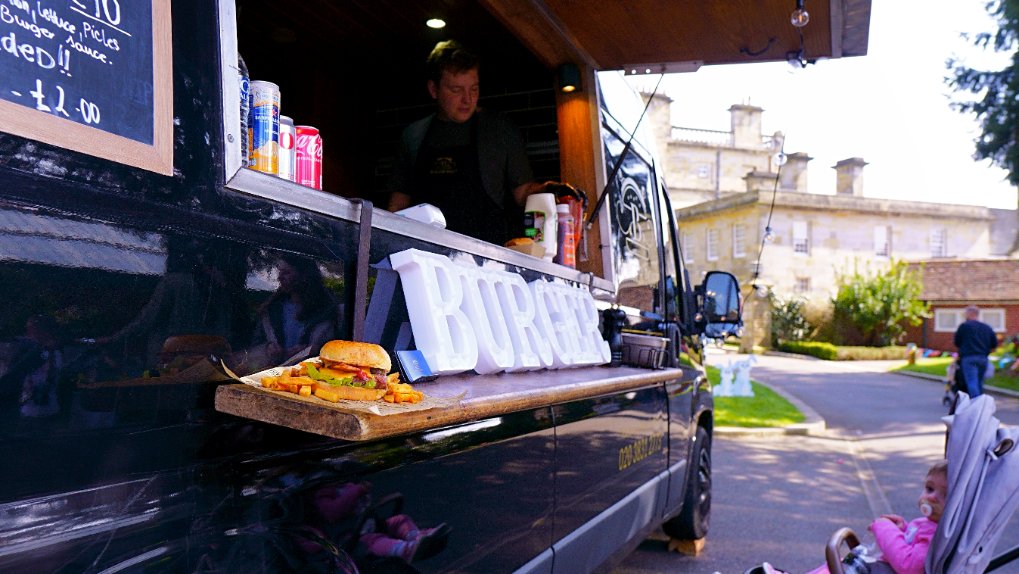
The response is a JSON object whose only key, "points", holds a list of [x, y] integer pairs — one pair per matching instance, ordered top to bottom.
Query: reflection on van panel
{"points": [[31, 238]]}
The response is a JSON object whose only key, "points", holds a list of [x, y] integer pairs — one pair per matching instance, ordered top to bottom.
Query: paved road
{"points": [[780, 498]]}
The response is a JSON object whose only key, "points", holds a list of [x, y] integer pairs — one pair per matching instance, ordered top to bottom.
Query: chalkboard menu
{"points": [[90, 75]]}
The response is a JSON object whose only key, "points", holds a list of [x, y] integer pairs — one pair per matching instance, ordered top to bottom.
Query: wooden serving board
{"points": [[449, 400]]}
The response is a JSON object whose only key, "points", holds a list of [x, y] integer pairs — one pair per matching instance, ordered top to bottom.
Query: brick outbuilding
{"points": [[949, 286]]}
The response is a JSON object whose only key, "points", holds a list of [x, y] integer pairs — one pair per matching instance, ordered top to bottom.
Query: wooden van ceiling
{"points": [[605, 34], [614, 34]]}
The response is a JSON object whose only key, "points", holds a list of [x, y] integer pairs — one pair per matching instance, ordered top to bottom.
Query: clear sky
{"points": [[889, 107]]}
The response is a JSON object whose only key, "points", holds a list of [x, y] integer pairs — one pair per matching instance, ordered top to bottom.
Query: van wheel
{"points": [[692, 522]]}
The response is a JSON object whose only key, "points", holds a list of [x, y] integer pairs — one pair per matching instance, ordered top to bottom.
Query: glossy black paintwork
{"points": [[606, 448], [134, 468]]}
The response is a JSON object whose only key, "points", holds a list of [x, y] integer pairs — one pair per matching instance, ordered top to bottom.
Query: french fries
{"points": [[294, 380], [289, 383], [401, 393], [327, 395]]}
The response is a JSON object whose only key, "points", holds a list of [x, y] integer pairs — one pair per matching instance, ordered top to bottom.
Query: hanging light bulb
{"points": [[800, 17], [780, 159], [768, 235]]}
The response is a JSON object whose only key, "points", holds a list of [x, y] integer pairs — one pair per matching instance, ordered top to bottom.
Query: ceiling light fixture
{"points": [[800, 17], [436, 23], [568, 78]]}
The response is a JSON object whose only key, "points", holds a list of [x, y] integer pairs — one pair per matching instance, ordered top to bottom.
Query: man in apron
{"points": [[469, 163]]}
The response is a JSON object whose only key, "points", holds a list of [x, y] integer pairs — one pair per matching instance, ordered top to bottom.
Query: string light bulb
{"points": [[800, 17], [768, 235]]}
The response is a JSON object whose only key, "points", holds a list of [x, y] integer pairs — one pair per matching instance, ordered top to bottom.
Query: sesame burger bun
{"points": [[366, 355]]}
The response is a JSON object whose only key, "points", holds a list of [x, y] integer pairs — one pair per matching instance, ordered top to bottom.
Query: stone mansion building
{"points": [[729, 193]]}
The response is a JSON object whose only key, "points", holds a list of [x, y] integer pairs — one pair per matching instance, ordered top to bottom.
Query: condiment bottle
{"points": [[540, 222], [566, 248]]}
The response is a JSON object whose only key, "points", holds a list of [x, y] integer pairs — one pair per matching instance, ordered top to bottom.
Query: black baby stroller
{"points": [[955, 383], [983, 493]]}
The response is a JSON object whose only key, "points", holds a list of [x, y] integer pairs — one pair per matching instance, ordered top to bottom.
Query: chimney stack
{"points": [[659, 118], [746, 125], [794, 172], [849, 177], [760, 180]]}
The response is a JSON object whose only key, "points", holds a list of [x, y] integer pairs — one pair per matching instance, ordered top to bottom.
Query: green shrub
{"points": [[874, 309], [787, 320], [825, 351], [871, 353]]}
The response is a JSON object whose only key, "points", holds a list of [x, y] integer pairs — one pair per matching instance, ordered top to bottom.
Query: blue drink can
{"points": [[264, 127]]}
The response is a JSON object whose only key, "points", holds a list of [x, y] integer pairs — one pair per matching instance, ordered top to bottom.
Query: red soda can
{"points": [[288, 139], [309, 157]]}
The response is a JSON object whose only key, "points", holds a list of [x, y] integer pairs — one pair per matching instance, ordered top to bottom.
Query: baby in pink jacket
{"points": [[904, 545]]}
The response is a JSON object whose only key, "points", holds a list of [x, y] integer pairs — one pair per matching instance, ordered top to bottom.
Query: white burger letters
{"points": [[465, 317]]}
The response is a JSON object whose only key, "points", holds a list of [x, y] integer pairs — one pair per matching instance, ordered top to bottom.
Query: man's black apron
{"points": [[449, 177]]}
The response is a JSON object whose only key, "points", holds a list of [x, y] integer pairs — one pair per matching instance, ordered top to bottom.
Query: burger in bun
{"points": [[182, 351], [348, 370]]}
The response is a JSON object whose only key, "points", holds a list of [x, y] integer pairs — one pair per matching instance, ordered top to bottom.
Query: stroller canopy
{"points": [[983, 488]]}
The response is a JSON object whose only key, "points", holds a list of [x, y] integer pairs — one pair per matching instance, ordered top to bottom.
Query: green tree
{"points": [[995, 93], [874, 309], [787, 320]]}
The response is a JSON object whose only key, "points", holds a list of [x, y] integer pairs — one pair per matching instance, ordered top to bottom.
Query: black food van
{"points": [[138, 258]]}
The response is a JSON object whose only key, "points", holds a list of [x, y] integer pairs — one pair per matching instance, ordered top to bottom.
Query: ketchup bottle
{"points": [[566, 252]]}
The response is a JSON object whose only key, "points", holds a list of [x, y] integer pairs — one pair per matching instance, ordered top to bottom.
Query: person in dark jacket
{"points": [[469, 163], [975, 340]]}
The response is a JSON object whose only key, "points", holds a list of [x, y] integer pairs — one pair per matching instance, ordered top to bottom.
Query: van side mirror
{"points": [[719, 305]]}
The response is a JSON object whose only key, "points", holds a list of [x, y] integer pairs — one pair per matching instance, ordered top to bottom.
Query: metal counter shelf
{"points": [[480, 397]]}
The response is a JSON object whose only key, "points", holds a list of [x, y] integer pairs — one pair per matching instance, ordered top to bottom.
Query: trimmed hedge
{"points": [[825, 351], [830, 352], [872, 353]]}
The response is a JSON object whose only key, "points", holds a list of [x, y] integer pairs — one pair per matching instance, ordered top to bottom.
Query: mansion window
{"points": [[739, 233], [801, 237], [882, 241], [939, 242], [687, 246], [711, 249], [802, 286]]}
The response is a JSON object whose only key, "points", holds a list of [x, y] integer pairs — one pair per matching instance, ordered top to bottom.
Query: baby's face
{"points": [[935, 491]]}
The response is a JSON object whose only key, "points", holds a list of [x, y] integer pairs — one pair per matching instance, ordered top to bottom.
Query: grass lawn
{"points": [[931, 366], [938, 366], [1004, 382], [765, 409]]}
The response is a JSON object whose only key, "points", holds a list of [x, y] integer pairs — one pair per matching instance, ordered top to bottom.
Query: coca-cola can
{"points": [[288, 149], [309, 157]]}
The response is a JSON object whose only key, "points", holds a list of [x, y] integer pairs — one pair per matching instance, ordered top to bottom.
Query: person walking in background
{"points": [[975, 340]]}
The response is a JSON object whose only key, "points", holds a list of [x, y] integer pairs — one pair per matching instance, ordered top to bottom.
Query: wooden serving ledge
{"points": [[480, 397]]}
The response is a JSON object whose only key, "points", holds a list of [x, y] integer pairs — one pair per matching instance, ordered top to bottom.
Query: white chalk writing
{"points": [[8, 17], [37, 70]]}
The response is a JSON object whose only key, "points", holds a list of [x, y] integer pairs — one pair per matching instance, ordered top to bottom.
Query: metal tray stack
{"points": [[646, 351]]}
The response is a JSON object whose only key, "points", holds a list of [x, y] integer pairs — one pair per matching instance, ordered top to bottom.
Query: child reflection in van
{"points": [[345, 515]]}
